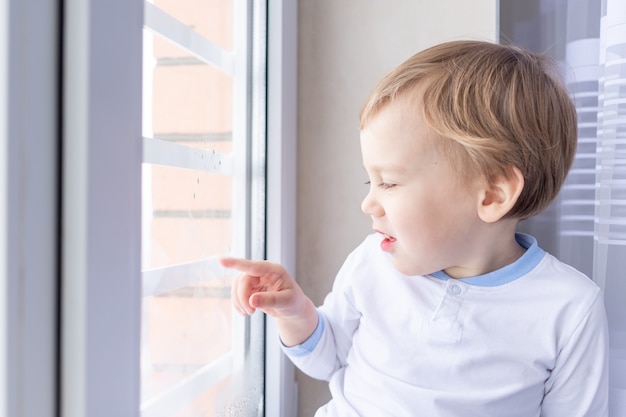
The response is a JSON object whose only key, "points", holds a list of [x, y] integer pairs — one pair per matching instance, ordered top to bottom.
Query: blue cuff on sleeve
{"points": [[308, 345]]}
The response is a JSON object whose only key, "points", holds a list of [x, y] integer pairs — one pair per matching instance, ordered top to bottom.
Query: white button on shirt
{"points": [[455, 289], [528, 340]]}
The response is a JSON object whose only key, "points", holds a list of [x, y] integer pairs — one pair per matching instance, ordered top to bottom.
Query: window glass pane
{"points": [[213, 19], [192, 101], [190, 216], [185, 331], [198, 357]]}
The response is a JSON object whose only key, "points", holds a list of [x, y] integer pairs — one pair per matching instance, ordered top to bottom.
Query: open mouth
{"points": [[387, 243]]}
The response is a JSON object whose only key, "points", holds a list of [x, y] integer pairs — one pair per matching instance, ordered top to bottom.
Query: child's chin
{"points": [[405, 269]]}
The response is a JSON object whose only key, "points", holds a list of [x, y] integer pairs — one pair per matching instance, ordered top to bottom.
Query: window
{"points": [[203, 196], [82, 321]]}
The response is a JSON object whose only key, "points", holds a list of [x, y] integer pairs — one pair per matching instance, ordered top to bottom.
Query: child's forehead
{"points": [[410, 97], [408, 105], [402, 118], [394, 147], [388, 167]]}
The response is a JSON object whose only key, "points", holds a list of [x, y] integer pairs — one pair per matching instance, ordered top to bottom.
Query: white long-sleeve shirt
{"points": [[527, 340]]}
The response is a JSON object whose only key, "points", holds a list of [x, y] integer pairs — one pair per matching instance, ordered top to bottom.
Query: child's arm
{"points": [[268, 287], [578, 386]]}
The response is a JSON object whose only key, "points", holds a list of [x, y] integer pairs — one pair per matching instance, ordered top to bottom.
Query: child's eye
{"points": [[383, 185]]}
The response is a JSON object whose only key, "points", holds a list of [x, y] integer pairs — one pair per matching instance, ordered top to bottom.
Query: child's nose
{"points": [[371, 206]]}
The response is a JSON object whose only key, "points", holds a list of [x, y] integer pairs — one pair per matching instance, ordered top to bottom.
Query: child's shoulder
{"points": [[558, 274], [566, 290]]}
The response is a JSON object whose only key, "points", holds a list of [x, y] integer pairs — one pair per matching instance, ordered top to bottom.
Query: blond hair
{"points": [[495, 107]]}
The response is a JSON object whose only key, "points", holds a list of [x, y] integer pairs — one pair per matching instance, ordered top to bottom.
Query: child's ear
{"points": [[499, 197]]}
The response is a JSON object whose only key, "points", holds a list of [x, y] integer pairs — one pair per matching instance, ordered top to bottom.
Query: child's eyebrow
{"points": [[386, 168]]}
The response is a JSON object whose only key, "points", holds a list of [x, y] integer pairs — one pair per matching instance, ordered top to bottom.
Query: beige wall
{"points": [[344, 48]]}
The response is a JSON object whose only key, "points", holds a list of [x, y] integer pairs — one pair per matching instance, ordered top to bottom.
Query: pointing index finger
{"points": [[250, 267]]}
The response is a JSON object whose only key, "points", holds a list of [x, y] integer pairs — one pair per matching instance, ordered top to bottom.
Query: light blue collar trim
{"points": [[526, 263]]}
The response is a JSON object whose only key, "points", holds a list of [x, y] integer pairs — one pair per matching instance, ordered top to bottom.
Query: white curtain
{"points": [[592, 205], [586, 227], [609, 261]]}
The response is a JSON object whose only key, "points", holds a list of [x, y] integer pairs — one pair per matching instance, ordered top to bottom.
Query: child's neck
{"points": [[495, 248]]}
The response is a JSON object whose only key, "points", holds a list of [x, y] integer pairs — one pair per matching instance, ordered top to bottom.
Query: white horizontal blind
{"points": [[203, 197], [577, 197], [611, 217]]}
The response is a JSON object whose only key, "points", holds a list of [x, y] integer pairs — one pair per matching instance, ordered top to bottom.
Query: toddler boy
{"points": [[446, 311]]}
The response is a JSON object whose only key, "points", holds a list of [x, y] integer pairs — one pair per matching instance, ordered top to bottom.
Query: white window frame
{"points": [[29, 138], [101, 222], [281, 391]]}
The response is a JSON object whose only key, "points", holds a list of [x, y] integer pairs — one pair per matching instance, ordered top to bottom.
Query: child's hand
{"points": [[266, 286]]}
